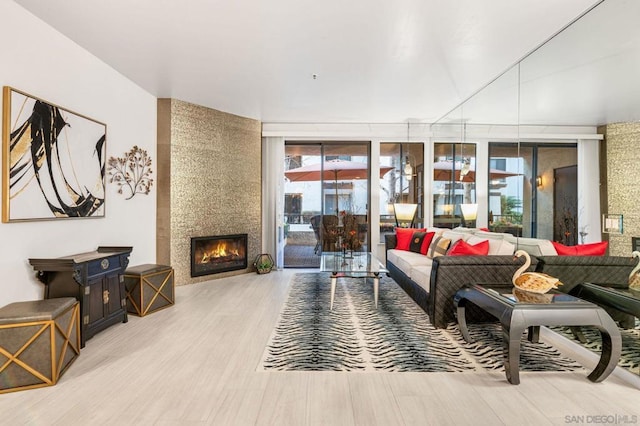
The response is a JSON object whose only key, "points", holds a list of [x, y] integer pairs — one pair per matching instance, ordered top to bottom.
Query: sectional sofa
{"points": [[432, 281]]}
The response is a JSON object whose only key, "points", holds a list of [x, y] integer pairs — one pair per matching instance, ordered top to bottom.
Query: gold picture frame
{"points": [[53, 161]]}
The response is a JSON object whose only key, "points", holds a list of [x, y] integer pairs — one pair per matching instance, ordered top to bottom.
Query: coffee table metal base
{"points": [[361, 265], [376, 285], [515, 318]]}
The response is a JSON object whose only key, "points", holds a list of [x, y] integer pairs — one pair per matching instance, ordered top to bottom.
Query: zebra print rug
{"points": [[397, 336], [630, 356]]}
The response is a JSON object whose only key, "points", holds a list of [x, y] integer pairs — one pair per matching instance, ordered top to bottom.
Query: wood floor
{"points": [[195, 364]]}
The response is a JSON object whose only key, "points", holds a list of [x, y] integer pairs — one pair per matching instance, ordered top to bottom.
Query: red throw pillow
{"points": [[403, 237], [426, 242], [462, 248], [592, 249], [563, 250]]}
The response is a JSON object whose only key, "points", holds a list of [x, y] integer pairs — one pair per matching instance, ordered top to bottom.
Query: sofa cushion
{"points": [[464, 230], [438, 231], [454, 236], [496, 236], [404, 237], [420, 242], [497, 246], [536, 246], [438, 247], [462, 248], [591, 249], [393, 255], [406, 260], [421, 276]]}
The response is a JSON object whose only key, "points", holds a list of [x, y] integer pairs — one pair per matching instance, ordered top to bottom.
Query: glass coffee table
{"points": [[359, 265], [519, 310]]}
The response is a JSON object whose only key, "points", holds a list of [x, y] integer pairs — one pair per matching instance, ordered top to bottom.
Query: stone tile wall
{"points": [[620, 164], [209, 182]]}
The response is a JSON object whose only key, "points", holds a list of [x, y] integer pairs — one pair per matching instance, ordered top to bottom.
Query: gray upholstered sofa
{"points": [[607, 271], [611, 271], [432, 283]]}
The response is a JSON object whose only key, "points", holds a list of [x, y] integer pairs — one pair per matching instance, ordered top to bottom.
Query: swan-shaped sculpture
{"points": [[634, 277], [534, 282]]}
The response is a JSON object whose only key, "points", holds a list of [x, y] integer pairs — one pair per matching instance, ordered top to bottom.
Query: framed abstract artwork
{"points": [[53, 161]]}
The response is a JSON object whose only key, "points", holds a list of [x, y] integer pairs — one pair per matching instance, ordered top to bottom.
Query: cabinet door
{"points": [[94, 299], [113, 302]]}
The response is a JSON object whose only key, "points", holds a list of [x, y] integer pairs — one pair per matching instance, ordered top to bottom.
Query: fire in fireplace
{"points": [[211, 255]]}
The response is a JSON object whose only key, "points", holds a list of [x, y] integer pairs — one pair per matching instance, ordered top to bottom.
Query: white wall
{"points": [[41, 62]]}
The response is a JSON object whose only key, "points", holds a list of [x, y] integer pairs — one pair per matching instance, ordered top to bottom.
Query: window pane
{"points": [[403, 183], [454, 183]]}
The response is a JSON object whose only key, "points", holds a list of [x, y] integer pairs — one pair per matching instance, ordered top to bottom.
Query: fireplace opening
{"points": [[214, 254]]}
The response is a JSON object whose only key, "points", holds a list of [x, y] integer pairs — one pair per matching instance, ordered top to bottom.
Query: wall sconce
{"points": [[539, 181], [404, 214], [469, 214]]}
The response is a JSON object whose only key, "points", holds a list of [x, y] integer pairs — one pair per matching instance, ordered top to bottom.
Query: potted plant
{"points": [[263, 263]]}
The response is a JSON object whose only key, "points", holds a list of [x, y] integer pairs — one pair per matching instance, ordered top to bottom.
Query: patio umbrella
{"points": [[333, 170], [442, 171]]}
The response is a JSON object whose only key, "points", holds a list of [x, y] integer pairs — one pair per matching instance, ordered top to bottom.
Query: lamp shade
{"points": [[469, 211], [404, 213]]}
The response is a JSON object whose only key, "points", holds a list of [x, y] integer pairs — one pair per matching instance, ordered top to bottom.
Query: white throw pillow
{"points": [[496, 235], [454, 236], [497, 246], [536, 246]]}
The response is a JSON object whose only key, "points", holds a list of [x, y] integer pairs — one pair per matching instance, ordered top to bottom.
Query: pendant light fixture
{"points": [[466, 161], [408, 169]]}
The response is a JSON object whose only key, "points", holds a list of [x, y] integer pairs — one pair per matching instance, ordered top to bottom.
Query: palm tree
{"points": [[511, 206]]}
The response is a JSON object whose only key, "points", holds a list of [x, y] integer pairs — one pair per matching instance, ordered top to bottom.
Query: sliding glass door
{"points": [[326, 200]]}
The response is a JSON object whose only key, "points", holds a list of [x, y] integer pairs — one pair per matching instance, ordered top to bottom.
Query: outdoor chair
{"points": [[315, 225], [329, 232]]}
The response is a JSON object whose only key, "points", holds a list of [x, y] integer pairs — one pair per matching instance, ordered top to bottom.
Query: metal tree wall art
{"points": [[132, 172]]}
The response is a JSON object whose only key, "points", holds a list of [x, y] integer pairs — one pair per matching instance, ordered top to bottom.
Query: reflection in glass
{"points": [[454, 177], [403, 184], [521, 207], [404, 214]]}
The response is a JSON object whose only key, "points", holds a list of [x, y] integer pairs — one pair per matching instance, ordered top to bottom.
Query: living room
{"points": [[226, 194]]}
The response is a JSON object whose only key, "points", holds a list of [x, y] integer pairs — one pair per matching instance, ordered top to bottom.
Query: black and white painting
{"points": [[53, 161]]}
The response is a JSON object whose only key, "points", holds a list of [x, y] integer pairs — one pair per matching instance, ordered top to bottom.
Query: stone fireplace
{"points": [[209, 183], [219, 253]]}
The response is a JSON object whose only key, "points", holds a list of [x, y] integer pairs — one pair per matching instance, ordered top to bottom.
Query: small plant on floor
{"points": [[263, 263]]}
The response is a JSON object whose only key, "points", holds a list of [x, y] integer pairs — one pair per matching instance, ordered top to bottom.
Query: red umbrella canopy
{"points": [[332, 170], [442, 171]]}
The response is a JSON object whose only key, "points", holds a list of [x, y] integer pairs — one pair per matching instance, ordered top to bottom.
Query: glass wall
{"points": [[401, 181], [454, 184], [529, 201], [506, 208]]}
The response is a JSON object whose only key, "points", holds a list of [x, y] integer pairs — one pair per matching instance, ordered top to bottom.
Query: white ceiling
{"points": [[376, 61]]}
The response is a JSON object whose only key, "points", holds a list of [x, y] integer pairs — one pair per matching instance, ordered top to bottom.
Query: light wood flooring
{"points": [[195, 364]]}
